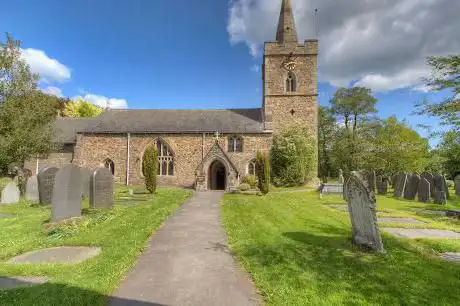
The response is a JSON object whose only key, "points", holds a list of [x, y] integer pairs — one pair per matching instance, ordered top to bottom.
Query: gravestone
{"points": [[430, 178], [45, 179], [341, 179], [394, 179], [372, 180], [85, 182], [401, 182], [457, 184], [382, 186], [411, 187], [333, 188], [32, 189], [101, 191], [424, 193], [440, 193], [10, 194], [66, 201], [362, 208]]}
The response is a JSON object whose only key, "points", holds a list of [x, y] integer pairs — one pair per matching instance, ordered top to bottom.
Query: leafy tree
{"points": [[81, 108], [26, 113], [327, 130], [449, 151], [293, 155], [150, 168], [263, 172]]}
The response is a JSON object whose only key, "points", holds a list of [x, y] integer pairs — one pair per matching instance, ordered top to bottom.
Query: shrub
{"points": [[293, 157], [150, 168], [263, 172], [251, 180], [450, 184], [244, 187]]}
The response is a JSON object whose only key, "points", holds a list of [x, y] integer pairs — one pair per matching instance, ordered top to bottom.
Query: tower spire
{"points": [[286, 25]]}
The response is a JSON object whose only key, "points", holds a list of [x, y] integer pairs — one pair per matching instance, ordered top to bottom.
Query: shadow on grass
{"points": [[330, 263], [59, 294]]}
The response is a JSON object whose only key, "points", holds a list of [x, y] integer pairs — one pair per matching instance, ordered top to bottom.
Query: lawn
{"points": [[122, 232], [299, 252]]}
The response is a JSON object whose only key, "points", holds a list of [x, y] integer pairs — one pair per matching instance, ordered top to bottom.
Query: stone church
{"points": [[202, 149]]}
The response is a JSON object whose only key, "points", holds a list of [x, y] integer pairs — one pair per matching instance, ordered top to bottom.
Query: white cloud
{"points": [[380, 44], [255, 68], [50, 69], [52, 90], [104, 102]]}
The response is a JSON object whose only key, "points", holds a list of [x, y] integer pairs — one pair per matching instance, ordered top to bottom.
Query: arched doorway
{"points": [[217, 176]]}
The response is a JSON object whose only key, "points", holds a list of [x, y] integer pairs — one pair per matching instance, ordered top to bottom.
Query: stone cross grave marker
{"points": [[46, 178], [85, 182], [401, 182], [457, 184], [411, 187], [32, 189], [101, 191], [424, 193], [10, 194], [66, 201], [362, 208]]}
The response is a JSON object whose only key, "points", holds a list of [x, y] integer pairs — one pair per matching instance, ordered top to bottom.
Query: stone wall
{"points": [[189, 149], [57, 159]]}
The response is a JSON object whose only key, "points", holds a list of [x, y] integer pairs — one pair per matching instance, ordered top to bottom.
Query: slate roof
{"points": [[162, 121], [178, 121]]}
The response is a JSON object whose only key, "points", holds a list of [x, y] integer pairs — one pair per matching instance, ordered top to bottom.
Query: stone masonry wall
{"points": [[56, 159]]}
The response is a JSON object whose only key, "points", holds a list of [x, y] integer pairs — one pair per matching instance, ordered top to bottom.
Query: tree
{"points": [[81, 108], [26, 114], [327, 129], [449, 151], [293, 155], [150, 168], [263, 172]]}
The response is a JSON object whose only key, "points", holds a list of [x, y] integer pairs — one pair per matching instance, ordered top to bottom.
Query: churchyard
{"points": [[85, 247]]}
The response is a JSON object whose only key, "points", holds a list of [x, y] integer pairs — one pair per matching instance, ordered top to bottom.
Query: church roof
{"points": [[162, 121], [178, 121]]}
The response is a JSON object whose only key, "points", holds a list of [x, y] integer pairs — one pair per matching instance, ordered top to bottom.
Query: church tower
{"points": [[290, 90]]}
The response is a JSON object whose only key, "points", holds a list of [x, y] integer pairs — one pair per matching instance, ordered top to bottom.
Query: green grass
{"points": [[122, 232], [299, 252]]}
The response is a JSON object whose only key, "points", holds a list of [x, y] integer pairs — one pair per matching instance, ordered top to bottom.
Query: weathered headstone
{"points": [[430, 178], [341, 179], [372, 180], [85, 182], [401, 182], [46, 183], [457, 184], [382, 186], [411, 187], [32, 189], [101, 191], [424, 193], [440, 193], [10, 194], [66, 201], [362, 208]]}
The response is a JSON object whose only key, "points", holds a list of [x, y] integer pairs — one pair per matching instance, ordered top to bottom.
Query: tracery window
{"points": [[291, 82], [235, 144], [165, 159], [252, 167]]}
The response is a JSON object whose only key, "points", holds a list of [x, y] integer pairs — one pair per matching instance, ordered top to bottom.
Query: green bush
{"points": [[293, 157], [150, 168], [263, 172], [251, 180], [450, 183], [244, 187]]}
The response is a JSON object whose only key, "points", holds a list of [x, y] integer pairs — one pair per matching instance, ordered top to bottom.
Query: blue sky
{"points": [[176, 53]]}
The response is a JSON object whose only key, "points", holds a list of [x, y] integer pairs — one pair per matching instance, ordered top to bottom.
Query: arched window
{"points": [[291, 82], [235, 144], [165, 159], [108, 163], [252, 167]]}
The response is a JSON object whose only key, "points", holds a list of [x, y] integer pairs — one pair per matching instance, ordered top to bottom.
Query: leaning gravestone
{"points": [[46, 178], [430, 178], [85, 181], [401, 182], [457, 184], [382, 186], [412, 187], [32, 189], [101, 191], [424, 193], [10, 194], [440, 194], [66, 201], [362, 208]]}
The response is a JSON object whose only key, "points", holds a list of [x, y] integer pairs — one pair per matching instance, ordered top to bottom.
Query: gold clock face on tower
{"points": [[289, 65]]}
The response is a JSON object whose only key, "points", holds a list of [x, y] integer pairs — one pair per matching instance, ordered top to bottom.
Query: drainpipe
{"points": [[128, 144], [202, 152], [36, 166]]}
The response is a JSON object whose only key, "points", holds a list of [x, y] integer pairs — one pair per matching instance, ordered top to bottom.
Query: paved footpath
{"points": [[188, 263]]}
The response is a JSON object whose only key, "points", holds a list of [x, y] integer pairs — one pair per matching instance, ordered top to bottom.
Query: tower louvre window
{"points": [[291, 82]]}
